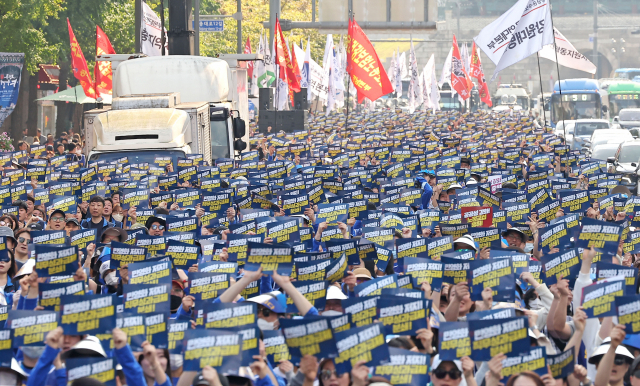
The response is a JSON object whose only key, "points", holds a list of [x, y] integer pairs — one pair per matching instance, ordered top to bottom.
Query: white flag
{"points": [[522, 31], [150, 36], [464, 56], [568, 56], [327, 61], [400, 65], [258, 68], [428, 70], [304, 71], [391, 72], [445, 77], [316, 78], [282, 92], [435, 92], [415, 93]]}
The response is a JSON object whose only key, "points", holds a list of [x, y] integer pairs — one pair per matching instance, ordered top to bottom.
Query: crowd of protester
{"points": [[349, 165]]}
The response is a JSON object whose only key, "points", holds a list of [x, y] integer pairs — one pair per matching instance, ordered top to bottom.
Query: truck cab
{"points": [[170, 106]]}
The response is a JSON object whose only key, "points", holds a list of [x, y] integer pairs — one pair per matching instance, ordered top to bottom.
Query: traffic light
{"points": [[239, 131]]}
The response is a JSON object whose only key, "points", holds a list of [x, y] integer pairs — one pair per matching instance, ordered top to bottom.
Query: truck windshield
{"points": [[587, 128], [219, 140], [136, 157]]}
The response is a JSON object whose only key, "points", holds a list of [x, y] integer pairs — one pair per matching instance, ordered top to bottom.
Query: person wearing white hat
{"points": [[465, 243], [333, 306], [612, 359], [452, 373]]}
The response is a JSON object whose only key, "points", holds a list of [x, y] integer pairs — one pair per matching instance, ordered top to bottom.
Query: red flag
{"points": [[247, 50], [284, 60], [79, 65], [363, 65], [102, 70], [478, 73], [460, 80]]}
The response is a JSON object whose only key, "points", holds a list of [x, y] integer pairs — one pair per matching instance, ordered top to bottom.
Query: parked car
{"points": [[627, 118], [559, 130], [583, 130], [608, 136], [604, 151], [626, 161]]}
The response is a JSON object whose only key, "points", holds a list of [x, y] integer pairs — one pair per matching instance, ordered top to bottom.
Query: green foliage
{"points": [[254, 12], [21, 24]]}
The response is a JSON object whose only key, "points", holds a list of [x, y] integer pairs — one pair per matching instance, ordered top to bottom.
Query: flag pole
{"points": [[555, 50], [277, 74], [541, 90], [346, 123]]}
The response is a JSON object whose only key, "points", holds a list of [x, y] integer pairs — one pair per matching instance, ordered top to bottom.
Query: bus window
{"points": [[618, 102], [575, 106]]}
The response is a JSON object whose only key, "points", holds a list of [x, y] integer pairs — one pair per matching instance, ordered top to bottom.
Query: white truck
{"points": [[171, 106]]}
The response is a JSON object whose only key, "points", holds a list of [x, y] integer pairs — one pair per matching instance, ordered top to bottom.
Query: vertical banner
{"points": [[151, 38], [10, 71]]}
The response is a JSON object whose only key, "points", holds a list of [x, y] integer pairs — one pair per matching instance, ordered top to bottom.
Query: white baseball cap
{"points": [[467, 240], [436, 362]]}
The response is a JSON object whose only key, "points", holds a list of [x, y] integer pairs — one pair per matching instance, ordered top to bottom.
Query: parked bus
{"points": [[627, 73], [623, 94], [521, 95], [579, 99]]}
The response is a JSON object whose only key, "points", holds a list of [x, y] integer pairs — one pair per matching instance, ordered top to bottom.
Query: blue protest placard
{"points": [[332, 213], [602, 235], [339, 246], [271, 257], [54, 261], [565, 264], [150, 272], [494, 273], [207, 285], [375, 286], [314, 291], [50, 293], [146, 298], [599, 299], [362, 310], [501, 313], [87, 314], [223, 315], [403, 316], [31, 327], [157, 329], [177, 330], [250, 335], [309, 337], [490, 338], [454, 341], [361, 343], [275, 346], [216, 348], [6, 352], [534, 360], [563, 364], [405, 368], [101, 369]]}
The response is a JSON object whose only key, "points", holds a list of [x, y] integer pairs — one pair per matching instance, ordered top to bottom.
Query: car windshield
{"points": [[629, 115], [587, 128], [610, 137], [602, 153], [629, 154], [139, 156]]}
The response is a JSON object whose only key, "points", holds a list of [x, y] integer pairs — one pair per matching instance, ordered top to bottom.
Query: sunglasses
{"points": [[57, 219], [156, 227], [22, 240], [266, 312], [619, 361], [453, 373], [636, 374], [325, 375]]}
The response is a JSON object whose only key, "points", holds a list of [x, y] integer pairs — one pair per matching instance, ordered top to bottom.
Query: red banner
{"points": [[284, 60], [249, 64], [79, 65], [364, 66], [102, 70], [478, 73], [460, 80], [478, 216]]}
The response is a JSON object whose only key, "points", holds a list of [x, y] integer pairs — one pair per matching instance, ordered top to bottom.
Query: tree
{"points": [[254, 12]]}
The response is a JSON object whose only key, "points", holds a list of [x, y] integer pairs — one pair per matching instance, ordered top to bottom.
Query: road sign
{"points": [[210, 25]]}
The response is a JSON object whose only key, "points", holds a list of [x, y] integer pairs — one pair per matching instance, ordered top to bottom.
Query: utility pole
{"points": [[274, 11], [138, 21], [239, 23], [196, 24], [595, 37]]}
